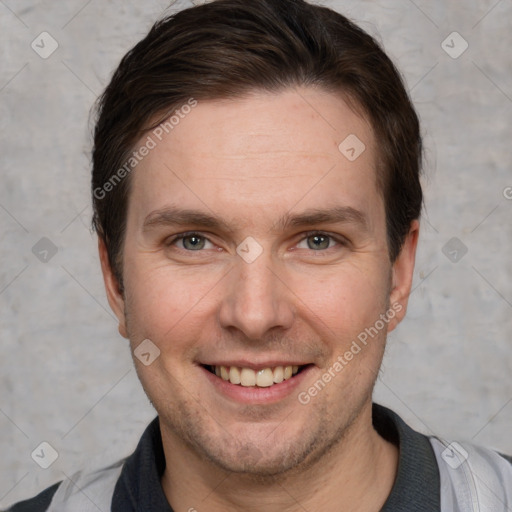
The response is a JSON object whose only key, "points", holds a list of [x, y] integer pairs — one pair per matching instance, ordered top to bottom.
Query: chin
{"points": [[261, 456], [251, 463]]}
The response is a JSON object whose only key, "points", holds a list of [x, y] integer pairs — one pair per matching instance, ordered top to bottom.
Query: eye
{"points": [[318, 241], [190, 242]]}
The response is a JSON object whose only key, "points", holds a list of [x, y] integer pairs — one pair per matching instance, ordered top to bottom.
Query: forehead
{"points": [[266, 152]]}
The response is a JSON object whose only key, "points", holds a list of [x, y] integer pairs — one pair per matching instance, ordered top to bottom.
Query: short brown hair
{"points": [[227, 48]]}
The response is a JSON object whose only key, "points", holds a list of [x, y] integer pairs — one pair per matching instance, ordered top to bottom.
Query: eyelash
{"points": [[339, 240]]}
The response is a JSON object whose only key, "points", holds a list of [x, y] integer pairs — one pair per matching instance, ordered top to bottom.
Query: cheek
{"points": [[348, 299], [164, 305], [174, 307]]}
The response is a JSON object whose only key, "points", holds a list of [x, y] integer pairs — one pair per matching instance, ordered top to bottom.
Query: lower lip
{"points": [[254, 394]]}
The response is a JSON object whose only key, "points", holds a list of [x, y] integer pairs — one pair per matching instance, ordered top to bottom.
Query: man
{"points": [[256, 195]]}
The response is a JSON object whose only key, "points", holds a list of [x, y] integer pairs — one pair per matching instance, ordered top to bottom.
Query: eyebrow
{"points": [[334, 215], [174, 216], [183, 217]]}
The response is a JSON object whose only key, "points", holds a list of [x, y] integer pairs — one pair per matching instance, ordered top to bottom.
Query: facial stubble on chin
{"points": [[186, 423]]}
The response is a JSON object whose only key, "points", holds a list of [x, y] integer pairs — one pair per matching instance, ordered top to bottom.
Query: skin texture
{"points": [[250, 161]]}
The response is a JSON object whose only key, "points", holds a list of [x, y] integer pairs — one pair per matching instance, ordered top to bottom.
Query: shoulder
{"points": [[454, 454], [473, 474], [103, 484], [89, 489], [39, 503]]}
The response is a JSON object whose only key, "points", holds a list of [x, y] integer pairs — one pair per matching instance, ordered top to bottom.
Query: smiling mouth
{"points": [[247, 377]]}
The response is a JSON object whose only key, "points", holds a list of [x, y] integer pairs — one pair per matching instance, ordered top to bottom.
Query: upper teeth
{"points": [[263, 378]]}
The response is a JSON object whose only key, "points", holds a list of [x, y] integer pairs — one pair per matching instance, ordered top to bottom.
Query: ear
{"points": [[402, 275], [114, 295]]}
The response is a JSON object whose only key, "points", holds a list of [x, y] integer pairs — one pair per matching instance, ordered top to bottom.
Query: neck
{"points": [[358, 472]]}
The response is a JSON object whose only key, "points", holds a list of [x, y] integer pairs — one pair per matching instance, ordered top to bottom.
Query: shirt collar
{"points": [[417, 484]]}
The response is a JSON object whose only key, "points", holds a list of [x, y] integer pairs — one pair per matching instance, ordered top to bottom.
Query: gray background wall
{"points": [[66, 376]]}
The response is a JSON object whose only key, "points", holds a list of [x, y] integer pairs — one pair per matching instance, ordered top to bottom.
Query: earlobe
{"points": [[402, 275], [112, 288]]}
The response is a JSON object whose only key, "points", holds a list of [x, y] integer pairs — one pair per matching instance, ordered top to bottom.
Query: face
{"points": [[255, 246]]}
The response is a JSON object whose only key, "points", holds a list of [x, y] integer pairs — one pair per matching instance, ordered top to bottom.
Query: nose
{"points": [[256, 298]]}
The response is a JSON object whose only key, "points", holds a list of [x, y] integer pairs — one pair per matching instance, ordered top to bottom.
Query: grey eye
{"points": [[193, 242], [316, 242]]}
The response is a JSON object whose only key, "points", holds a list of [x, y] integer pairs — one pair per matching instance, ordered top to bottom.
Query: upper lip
{"points": [[243, 363]]}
